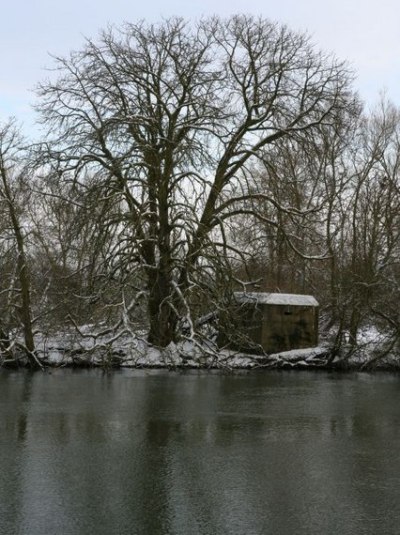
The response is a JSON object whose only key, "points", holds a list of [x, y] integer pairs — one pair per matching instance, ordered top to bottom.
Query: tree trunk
{"points": [[24, 308], [162, 316], [354, 324]]}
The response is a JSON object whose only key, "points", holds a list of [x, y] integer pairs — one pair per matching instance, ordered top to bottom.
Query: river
{"points": [[158, 453]]}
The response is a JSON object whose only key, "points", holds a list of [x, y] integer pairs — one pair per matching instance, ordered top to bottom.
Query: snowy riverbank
{"points": [[128, 350], [187, 356]]}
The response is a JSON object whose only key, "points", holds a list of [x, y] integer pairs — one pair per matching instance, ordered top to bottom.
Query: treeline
{"points": [[182, 161], [337, 236]]}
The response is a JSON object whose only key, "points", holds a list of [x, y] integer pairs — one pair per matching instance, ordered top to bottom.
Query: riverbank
{"points": [[66, 351]]}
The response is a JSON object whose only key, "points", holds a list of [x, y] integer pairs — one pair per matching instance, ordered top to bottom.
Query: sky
{"points": [[366, 33]]}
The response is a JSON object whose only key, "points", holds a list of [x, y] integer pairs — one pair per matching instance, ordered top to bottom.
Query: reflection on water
{"points": [[199, 453]]}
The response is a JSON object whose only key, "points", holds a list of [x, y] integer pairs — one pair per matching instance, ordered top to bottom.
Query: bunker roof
{"points": [[265, 298]]}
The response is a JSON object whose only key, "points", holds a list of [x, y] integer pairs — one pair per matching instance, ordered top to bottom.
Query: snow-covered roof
{"points": [[265, 298]]}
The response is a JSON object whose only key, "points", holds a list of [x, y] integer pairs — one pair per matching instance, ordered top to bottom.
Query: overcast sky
{"points": [[365, 32]]}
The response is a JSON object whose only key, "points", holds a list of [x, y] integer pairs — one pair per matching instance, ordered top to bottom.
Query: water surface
{"points": [[136, 452]]}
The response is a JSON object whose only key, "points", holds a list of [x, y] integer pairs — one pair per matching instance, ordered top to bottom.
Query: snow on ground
{"points": [[369, 334], [67, 348], [128, 349], [296, 355]]}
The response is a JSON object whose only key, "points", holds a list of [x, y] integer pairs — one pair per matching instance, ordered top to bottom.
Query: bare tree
{"points": [[169, 119], [12, 197], [374, 220]]}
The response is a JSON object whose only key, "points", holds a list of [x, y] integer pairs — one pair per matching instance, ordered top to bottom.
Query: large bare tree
{"points": [[166, 121]]}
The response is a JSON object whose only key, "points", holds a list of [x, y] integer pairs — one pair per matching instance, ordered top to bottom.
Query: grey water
{"points": [[149, 453]]}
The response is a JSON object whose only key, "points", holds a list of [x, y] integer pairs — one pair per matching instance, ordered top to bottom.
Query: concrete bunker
{"points": [[276, 321]]}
